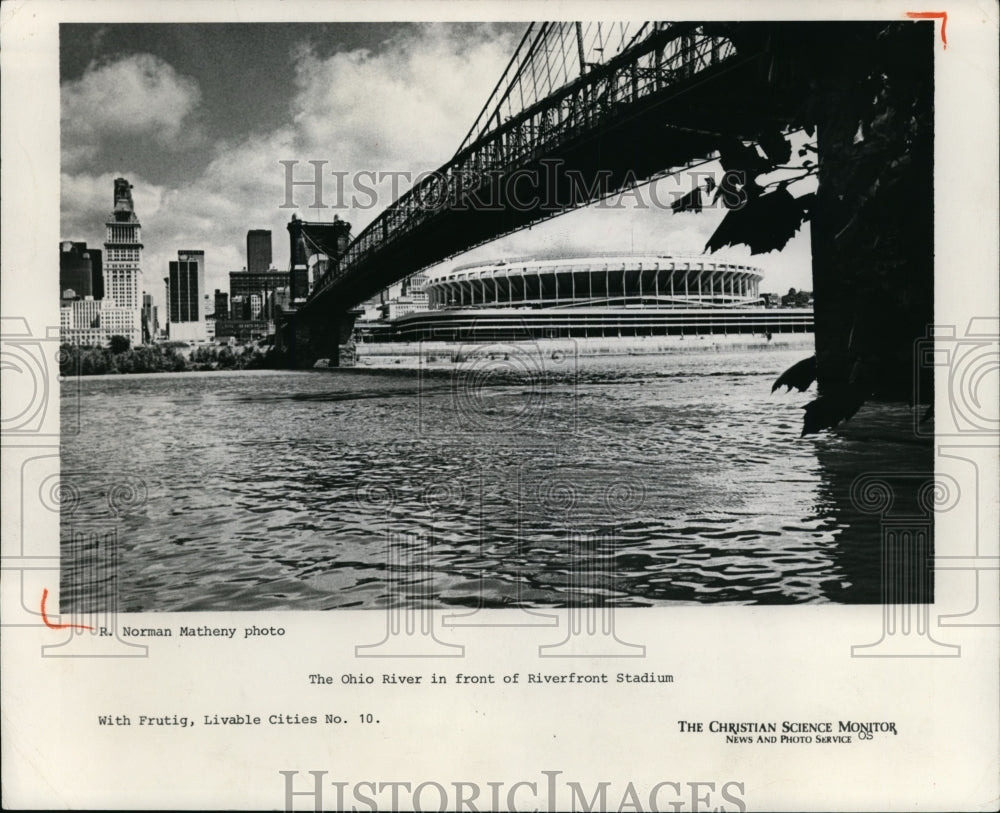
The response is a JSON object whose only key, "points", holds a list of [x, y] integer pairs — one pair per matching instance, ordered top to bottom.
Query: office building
{"points": [[258, 250], [198, 259], [123, 264], [75, 271], [96, 272], [183, 282], [262, 283], [166, 288], [100, 291], [185, 297], [221, 304], [238, 308], [150, 320], [80, 323]]}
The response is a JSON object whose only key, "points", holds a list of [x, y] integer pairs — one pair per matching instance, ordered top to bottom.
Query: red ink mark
{"points": [[933, 15], [51, 626]]}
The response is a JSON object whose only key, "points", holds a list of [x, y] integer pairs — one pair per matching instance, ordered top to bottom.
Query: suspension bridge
{"points": [[584, 111], [581, 112]]}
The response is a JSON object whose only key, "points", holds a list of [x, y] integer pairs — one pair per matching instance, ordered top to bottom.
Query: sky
{"points": [[198, 116]]}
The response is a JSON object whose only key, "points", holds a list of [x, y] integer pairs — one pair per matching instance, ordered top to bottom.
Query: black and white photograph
{"points": [[630, 339], [581, 352]]}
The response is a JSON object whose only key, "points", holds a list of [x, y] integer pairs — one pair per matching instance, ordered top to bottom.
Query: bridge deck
{"points": [[664, 103]]}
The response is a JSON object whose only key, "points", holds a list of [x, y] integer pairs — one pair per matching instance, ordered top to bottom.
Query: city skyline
{"points": [[161, 111], [115, 308], [88, 317]]}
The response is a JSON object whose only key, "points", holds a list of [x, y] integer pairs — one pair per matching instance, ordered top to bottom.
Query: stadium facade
{"points": [[596, 296]]}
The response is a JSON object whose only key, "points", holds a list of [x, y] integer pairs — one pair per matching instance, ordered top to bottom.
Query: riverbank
{"points": [[446, 354], [171, 357]]}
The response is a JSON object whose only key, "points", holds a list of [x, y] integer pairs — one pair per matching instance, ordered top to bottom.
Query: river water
{"points": [[495, 482]]}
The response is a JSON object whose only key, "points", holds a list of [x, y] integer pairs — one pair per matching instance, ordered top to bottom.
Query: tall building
{"points": [[258, 250], [198, 258], [123, 263], [319, 264], [75, 271], [97, 272], [263, 283], [166, 286], [183, 286], [185, 289], [221, 304], [236, 309], [150, 319], [80, 323]]}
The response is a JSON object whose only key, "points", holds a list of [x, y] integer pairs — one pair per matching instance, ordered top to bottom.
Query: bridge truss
{"points": [[566, 83]]}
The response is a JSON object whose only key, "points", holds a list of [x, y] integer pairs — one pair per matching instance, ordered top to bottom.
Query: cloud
{"points": [[139, 95], [405, 106], [87, 200]]}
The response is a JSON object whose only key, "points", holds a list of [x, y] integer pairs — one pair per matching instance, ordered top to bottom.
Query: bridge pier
{"points": [[319, 339], [307, 341], [339, 349]]}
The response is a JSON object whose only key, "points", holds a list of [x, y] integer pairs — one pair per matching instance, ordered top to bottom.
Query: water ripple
{"points": [[634, 482]]}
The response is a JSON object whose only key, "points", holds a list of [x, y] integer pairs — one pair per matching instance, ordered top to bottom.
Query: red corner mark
{"points": [[933, 15], [51, 626]]}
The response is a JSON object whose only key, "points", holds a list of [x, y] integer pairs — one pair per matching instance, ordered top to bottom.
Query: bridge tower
{"points": [[309, 339]]}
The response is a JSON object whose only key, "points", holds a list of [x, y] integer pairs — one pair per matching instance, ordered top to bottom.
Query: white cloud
{"points": [[139, 95], [404, 108], [86, 197]]}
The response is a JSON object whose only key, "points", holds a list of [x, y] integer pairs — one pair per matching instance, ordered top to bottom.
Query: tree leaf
{"points": [[765, 223]]}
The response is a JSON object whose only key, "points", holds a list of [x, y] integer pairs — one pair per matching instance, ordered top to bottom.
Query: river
{"points": [[645, 480]]}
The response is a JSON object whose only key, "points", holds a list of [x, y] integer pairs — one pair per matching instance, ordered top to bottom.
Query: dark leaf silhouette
{"points": [[776, 147], [735, 155], [734, 190], [691, 202], [765, 223], [800, 375], [829, 410]]}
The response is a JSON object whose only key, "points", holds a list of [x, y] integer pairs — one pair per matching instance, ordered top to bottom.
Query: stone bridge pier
{"points": [[306, 341]]}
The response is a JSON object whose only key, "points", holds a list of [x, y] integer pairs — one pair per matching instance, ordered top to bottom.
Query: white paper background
{"points": [[730, 664]]}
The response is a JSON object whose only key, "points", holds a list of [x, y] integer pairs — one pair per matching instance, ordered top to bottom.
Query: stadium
{"points": [[596, 296]]}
